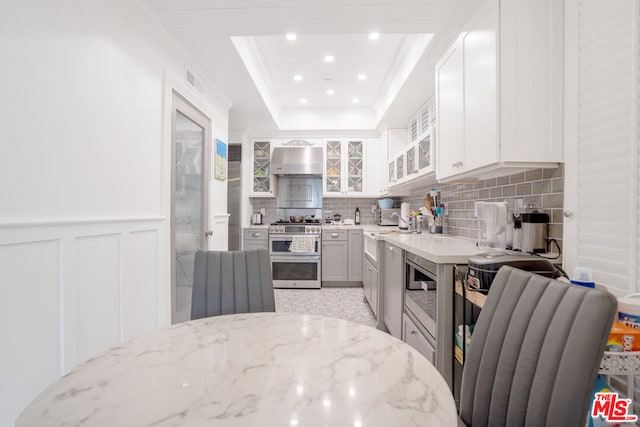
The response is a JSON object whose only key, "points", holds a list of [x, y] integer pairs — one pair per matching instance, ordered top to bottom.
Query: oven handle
{"points": [[296, 258]]}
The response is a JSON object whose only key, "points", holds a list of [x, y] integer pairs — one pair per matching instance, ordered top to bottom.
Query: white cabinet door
{"points": [[480, 90], [450, 111], [344, 161], [376, 177], [261, 178], [393, 299]]}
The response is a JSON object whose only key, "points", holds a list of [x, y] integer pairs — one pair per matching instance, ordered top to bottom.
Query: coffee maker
{"points": [[535, 226]]}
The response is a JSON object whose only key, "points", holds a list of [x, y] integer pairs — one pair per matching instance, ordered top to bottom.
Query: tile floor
{"points": [[343, 303]]}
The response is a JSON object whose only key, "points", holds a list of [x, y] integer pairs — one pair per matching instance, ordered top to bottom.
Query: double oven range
{"points": [[295, 247], [295, 250]]}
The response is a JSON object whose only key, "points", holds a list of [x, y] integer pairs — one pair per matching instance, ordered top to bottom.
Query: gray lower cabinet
{"points": [[253, 239], [342, 255], [355, 256], [334, 261], [370, 284], [393, 289], [418, 338]]}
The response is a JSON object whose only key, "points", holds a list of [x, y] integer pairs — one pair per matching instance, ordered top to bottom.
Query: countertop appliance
{"points": [[405, 216], [386, 217], [256, 218], [534, 231], [295, 252], [484, 267]]}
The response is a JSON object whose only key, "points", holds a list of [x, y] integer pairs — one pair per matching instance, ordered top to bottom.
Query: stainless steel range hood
{"points": [[296, 161]]}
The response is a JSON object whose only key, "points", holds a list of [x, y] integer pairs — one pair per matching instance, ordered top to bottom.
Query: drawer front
{"points": [[255, 234], [334, 235], [416, 339]]}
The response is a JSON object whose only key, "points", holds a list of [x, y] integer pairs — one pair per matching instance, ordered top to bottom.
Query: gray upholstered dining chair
{"points": [[231, 282], [535, 352]]}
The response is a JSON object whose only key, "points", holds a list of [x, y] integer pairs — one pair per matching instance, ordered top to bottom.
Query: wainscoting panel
{"points": [[140, 285], [70, 290], [98, 309], [29, 321]]}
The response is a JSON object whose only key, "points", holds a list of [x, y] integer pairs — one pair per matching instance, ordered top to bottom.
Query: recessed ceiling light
{"points": [[374, 36], [292, 37], [329, 58], [297, 77], [362, 77], [330, 91], [355, 100], [303, 101]]}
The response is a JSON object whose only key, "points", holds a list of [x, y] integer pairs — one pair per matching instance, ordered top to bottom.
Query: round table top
{"points": [[261, 369]]}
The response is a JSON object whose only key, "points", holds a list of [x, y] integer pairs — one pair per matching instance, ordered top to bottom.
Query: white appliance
{"points": [[405, 213]]}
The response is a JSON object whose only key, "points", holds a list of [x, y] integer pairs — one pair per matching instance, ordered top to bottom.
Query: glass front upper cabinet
{"points": [[355, 166], [261, 167], [333, 167]]}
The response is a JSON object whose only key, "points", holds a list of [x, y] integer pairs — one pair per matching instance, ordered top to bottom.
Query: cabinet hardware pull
{"points": [[567, 214], [208, 233], [256, 234], [334, 234], [413, 332]]}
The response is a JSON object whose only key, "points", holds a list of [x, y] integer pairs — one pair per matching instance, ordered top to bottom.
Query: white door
{"points": [[190, 139]]}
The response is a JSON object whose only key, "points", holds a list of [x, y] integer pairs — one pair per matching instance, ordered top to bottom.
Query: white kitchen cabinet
{"points": [[450, 105], [499, 111], [420, 124], [411, 161], [414, 166], [344, 167], [261, 178], [376, 180], [370, 285], [393, 289], [417, 338]]}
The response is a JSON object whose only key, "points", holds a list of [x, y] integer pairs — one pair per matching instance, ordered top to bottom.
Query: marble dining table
{"points": [[261, 369]]}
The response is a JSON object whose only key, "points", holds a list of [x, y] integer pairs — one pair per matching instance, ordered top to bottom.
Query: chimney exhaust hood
{"points": [[296, 161]]}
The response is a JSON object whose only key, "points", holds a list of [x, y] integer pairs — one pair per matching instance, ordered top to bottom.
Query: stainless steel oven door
{"points": [[280, 244], [295, 271], [421, 293]]}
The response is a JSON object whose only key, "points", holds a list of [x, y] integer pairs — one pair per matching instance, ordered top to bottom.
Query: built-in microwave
{"points": [[421, 283]]}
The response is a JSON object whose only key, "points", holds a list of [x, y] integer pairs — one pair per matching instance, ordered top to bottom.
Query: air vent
{"points": [[191, 78]]}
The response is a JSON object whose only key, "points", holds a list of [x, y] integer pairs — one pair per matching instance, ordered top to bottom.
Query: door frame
{"points": [[180, 104]]}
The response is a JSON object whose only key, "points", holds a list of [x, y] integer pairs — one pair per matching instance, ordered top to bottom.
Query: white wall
{"points": [[84, 185]]}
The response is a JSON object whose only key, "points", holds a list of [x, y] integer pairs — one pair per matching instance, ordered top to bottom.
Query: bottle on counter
{"points": [[357, 216]]}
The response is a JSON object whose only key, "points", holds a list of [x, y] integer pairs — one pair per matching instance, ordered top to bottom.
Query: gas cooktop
{"points": [[306, 221]]}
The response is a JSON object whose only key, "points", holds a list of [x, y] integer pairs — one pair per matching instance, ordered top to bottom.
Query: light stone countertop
{"points": [[441, 249], [264, 369]]}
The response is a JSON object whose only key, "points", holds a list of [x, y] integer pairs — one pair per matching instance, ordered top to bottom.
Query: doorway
{"points": [[190, 166], [234, 191]]}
